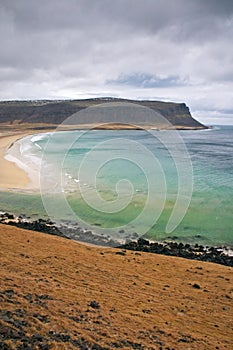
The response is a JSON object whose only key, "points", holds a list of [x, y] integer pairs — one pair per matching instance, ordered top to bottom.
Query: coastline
{"points": [[14, 174], [11, 176], [16, 180], [222, 255]]}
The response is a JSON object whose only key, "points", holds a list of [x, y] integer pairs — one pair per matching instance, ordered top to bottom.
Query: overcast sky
{"points": [[171, 50]]}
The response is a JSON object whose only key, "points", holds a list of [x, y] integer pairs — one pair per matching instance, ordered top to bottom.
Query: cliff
{"points": [[55, 112]]}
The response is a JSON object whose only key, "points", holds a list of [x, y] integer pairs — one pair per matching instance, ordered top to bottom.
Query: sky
{"points": [[170, 50]]}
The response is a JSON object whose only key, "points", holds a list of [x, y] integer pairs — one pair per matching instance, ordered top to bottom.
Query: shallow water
{"points": [[81, 171]]}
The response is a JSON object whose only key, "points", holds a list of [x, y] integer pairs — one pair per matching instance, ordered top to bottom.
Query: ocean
{"points": [[164, 185]]}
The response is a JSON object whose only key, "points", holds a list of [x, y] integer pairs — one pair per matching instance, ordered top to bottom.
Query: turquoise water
{"points": [[104, 180]]}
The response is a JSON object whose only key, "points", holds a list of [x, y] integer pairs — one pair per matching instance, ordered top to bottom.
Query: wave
{"points": [[40, 137]]}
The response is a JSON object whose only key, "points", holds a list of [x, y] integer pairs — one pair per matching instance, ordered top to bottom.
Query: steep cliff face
{"points": [[54, 112], [177, 114]]}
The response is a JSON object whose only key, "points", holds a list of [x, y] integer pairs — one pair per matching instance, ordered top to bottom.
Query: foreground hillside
{"points": [[55, 112], [59, 294]]}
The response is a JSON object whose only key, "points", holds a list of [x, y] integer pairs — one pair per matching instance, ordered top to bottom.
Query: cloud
{"points": [[174, 50], [147, 81]]}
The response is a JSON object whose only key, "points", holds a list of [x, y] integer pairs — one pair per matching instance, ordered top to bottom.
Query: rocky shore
{"points": [[46, 226], [188, 251], [195, 252]]}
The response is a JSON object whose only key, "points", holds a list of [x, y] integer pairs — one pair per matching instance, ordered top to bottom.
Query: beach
{"points": [[13, 176]]}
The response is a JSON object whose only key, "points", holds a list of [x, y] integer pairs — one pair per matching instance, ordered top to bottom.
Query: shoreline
{"points": [[15, 175], [11, 176], [16, 179], [222, 255]]}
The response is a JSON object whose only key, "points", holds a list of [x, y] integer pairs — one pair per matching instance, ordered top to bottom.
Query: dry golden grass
{"points": [[144, 298]]}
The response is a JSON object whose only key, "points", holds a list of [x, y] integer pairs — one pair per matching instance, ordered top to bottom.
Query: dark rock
{"points": [[9, 216], [142, 241], [187, 251], [121, 253], [9, 293], [94, 304], [42, 318], [37, 337], [126, 344]]}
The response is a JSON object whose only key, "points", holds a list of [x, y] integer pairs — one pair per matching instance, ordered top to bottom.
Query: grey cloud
{"points": [[216, 7], [140, 15], [129, 47], [148, 81]]}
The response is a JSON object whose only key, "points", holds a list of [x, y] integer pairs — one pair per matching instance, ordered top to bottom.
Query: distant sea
{"points": [[208, 220]]}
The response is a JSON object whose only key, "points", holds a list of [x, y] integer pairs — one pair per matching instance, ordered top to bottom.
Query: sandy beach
{"points": [[12, 176]]}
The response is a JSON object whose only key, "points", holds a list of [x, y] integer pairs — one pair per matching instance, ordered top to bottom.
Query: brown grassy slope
{"points": [[48, 282]]}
